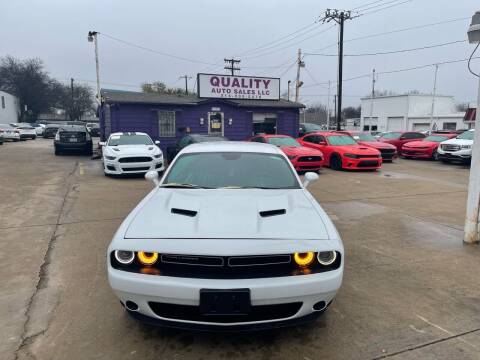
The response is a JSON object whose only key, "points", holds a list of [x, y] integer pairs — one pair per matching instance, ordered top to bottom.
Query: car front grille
{"points": [[450, 147], [387, 151], [309, 158], [136, 159], [366, 163], [143, 168], [224, 267], [257, 313]]}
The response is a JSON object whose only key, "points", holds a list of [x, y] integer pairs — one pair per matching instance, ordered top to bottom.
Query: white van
{"points": [[457, 149]]}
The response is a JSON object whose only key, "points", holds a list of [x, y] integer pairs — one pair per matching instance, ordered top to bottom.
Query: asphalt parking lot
{"points": [[411, 288]]}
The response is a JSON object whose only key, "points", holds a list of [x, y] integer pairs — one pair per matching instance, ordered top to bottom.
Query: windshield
{"points": [[392, 135], [467, 135], [366, 137], [436, 138], [116, 140], [340, 140], [282, 141], [232, 170]]}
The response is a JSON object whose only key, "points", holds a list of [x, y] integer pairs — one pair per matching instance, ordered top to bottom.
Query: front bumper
{"points": [[73, 146], [417, 153], [460, 155], [361, 164], [307, 165], [113, 167], [144, 289]]}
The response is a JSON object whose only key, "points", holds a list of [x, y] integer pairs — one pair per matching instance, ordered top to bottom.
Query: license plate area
{"points": [[225, 302]]}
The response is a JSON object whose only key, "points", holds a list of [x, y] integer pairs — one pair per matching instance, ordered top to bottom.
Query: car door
{"points": [[410, 136], [317, 142]]}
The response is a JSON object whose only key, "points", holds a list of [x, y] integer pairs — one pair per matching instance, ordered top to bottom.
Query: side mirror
{"points": [[157, 142], [102, 143], [152, 176], [310, 177]]}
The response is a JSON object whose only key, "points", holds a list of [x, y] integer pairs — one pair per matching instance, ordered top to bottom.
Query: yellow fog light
{"points": [[147, 258], [304, 259]]}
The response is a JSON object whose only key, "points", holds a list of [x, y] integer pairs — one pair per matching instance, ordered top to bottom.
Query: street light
{"points": [[92, 37], [473, 201]]}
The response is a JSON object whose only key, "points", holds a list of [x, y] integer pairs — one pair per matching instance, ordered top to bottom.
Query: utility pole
{"points": [[339, 16], [92, 37], [231, 65], [186, 77], [298, 83], [288, 91], [434, 94], [371, 102], [328, 106], [71, 107], [336, 109], [472, 219]]}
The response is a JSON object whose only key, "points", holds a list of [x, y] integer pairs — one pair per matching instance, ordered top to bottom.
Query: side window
{"points": [[3, 102], [166, 123], [408, 136], [418, 136], [321, 138], [310, 139]]}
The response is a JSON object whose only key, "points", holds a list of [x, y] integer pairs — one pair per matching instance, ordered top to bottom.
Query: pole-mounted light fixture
{"points": [[474, 29]]}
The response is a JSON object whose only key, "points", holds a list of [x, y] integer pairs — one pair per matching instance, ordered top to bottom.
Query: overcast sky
{"points": [[209, 30]]}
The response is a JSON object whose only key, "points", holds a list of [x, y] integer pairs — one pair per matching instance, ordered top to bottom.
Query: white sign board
{"points": [[238, 87]]}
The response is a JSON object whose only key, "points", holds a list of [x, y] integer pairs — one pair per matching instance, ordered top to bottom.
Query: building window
{"points": [[3, 102], [166, 123], [449, 126]]}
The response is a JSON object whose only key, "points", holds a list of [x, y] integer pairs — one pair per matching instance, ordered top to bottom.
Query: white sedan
{"points": [[26, 130], [9, 132], [131, 153], [229, 238]]}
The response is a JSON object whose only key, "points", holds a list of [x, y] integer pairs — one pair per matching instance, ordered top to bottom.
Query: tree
{"points": [[27, 80], [158, 87], [76, 106], [351, 112]]}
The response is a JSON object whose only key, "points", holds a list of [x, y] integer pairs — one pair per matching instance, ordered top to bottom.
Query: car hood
{"points": [[458, 142], [377, 144], [421, 144], [357, 149], [123, 150], [300, 150], [228, 214]]}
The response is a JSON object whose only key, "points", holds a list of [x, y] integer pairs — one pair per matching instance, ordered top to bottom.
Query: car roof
{"points": [[131, 133], [326, 133], [232, 146]]}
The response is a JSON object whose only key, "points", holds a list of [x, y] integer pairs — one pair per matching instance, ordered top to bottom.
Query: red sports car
{"points": [[398, 138], [426, 148], [342, 151], [388, 151], [301, 157]]}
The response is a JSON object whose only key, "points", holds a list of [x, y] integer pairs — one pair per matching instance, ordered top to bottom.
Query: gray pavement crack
{"points": [[43, 271], [420, 346]]}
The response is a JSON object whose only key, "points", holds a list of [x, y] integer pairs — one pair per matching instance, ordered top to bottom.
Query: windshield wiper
{"points": [[184, 186], [247, 187]]}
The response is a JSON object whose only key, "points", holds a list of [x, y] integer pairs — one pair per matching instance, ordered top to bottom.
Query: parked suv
{"points": [[73, 137], [457, 149]]}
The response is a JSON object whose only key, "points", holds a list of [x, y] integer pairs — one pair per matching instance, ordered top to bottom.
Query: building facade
{"points": [[9, 108], [411, 112], [169, 117]]}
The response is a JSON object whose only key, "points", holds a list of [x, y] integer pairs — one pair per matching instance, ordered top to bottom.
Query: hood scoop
{"points": [[184, 212], [270, 213]]}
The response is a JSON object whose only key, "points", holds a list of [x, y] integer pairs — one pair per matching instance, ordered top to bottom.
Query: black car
{"points": [[306, 128], [50, 131], [73, 138], [173, 150]]}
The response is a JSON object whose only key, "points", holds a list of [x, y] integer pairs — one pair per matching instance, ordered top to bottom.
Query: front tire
{"points": [[57, 151], [336, 162]]}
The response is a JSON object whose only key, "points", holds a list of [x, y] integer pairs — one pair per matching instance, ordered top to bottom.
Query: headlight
{"points": [[57, 136], [466, 146], [158, 156], [352, 156], [110, 157], [291, 157], [124, 257], [147, 258], [327, 258], [304, 259]]}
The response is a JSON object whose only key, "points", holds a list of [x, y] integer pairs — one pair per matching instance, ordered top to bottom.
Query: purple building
{"points": [[168, 117]]}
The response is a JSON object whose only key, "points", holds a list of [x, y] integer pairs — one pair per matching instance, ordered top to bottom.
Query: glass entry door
{"points": [[215, 123]]}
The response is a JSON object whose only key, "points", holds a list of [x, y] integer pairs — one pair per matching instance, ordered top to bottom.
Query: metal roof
{"points": [[120, 96]]}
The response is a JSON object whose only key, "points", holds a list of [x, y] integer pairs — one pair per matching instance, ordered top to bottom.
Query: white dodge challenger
{"points": [[131, 153], [229, 238]]}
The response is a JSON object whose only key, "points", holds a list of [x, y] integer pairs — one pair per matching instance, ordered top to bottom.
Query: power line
{"points": [[367, 4], [383, 4], [386, 7], [416, 27], [156, 51], [392, 52]]}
